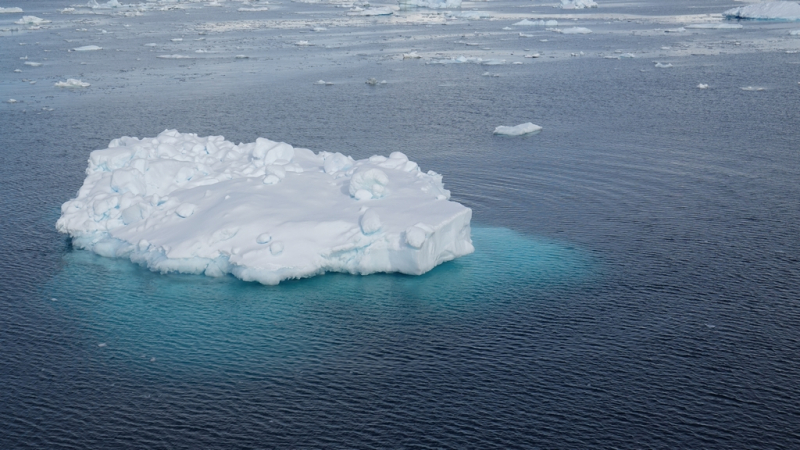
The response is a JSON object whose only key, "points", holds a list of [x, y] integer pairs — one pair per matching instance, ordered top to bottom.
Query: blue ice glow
{"points": [[184, 321]]}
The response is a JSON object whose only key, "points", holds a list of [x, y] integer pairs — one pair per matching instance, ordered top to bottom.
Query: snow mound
{"points": [[434, 4], [578, 4], [10, 10], [766, 11], [72, 83], [518, 130], [202, 205]]}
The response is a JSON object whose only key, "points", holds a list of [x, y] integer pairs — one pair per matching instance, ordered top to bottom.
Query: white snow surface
{"points": [[578, 4], [766, 11], [518, 130], [263, 211]]}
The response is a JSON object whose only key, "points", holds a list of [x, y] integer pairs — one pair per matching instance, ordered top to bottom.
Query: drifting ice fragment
{"points": [[435, 4], [577, 4], [10, 10], [766, 11], [31, 20], [540, 23], [714, 26], [572, 30], [794, 33], [87, 48], [412, 55], [32, 64], [663, 66], [72, 83], [324, 83], [702, 86], [752, 88], [518, 130], [136, 198]]}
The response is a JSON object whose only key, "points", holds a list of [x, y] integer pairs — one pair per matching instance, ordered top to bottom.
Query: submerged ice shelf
{"points": [[263, 211]]}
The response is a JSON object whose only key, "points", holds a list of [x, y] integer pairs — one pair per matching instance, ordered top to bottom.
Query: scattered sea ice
{"points": [[72, 83], [519, 130]]}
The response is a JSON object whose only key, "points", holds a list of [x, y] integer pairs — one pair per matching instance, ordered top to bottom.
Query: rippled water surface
{"points": [[635, 283]]}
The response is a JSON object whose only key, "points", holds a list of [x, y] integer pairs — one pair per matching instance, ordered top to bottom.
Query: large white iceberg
{"points": [[766, 11], [263, 211]]}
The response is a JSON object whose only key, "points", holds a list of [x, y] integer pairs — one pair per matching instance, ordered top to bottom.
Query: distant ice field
{"points": [[635, 273]]}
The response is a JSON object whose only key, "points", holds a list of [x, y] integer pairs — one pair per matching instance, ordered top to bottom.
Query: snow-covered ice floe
{"points": [[435, 4], [578, 4], [10, 10], [766, 11], [31, 20], [536, 23], [714, 26], [571, 30], [794, 33], [87, 48], [72, 83], [519, 130], [263, 211]]}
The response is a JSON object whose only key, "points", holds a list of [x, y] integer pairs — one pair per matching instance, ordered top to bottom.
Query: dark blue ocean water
{"points": [[636, 280]]}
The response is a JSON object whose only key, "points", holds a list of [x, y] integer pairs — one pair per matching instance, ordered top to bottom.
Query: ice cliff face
{"points": [[766, 11], [263, 211]]}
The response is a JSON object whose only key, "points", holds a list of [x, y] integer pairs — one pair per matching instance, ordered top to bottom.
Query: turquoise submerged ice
{"points": [[263, 211]]}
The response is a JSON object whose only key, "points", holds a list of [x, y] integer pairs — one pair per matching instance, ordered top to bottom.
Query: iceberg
{"points": [[434, 4], [578, 4], [766, 11], [519, 130], [263, 211]]}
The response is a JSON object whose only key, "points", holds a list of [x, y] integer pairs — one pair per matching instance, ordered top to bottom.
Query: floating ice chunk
{"points": [[434, 4], [578, 4], [108, 5], [257, 9], [10, 10], [778, 10], [371, 12], [31, 20], [538, 23], [714, 26], [319, 29], [572, 30], [675, 30], [794, 33], [177, 40], [302, 43], [152, 44], [87, 48], [411, 55], [533, 55], [627, 55], [174, 56], [241, 57], [32, 64], [663, 65], [17, 71], [490, 74], [72, 83], [323, 83], [702, 86], [752, 88], [11, 100], [518, 130], [132, 202], [102, 344]]}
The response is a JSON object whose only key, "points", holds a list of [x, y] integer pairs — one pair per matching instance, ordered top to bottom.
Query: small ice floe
{"points": [[433, 4], [578, 4], [257, 9], [10, 10], [67, 10], [777, 10], [356, 11], [31, 20], [536, 23], [714, 26], [319, 29], [572, 30], [794, 33], [523, 35], [177, 40], [302, 43], [152, 44], [87, 48], [411, 55], [533, 55], [627, 55], [174, 57], [242, 57], [493, 62], [517, 63], [32, 64], [663, 65], [17, 71], [490, 74], [374, 82], [72, 83], [323, 83], [702, 86], [752, 88], [11, 100], [519, 130], [53, 299], [710, 326], [101, 345], [153, 359]]}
